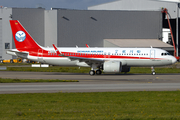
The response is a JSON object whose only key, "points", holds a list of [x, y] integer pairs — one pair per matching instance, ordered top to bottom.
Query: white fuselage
{"points": [[128, 56]]}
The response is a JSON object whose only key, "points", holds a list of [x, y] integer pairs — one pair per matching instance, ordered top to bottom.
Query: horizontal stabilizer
{"points": [[17, 53]]}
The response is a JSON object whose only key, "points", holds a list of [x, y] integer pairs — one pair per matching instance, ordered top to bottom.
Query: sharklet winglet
{"points": [[87, 46], [57, 51]]}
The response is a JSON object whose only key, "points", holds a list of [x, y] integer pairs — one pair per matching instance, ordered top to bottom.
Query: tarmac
{"points": [[87, 83]]}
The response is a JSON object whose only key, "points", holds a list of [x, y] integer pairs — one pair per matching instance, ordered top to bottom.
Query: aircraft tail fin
{"points": [[22, 39]]}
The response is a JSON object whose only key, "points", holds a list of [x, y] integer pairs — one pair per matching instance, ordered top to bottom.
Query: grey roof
{"points": [[175, 1], [139, 43]]}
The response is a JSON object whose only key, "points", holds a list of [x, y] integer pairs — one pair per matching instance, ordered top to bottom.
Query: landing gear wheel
{"points": [[11, 61], [92, 72], [98, 72], [153, 73]]}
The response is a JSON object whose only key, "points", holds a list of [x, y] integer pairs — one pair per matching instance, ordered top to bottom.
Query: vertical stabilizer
{"points": [[23, 40]]}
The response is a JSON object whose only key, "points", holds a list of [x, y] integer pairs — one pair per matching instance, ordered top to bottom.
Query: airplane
{"points": [[110, 60]]}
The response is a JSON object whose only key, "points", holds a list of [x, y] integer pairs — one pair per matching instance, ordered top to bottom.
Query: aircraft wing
{"points": [[89, 61]]}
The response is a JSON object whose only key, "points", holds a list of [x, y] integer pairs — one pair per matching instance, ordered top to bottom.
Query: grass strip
{"points": [[51, 69], [146, 70], [7, 80], [92, 106]]}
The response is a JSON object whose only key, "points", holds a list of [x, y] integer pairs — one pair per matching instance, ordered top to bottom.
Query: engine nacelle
{"points": [[112, 66]]}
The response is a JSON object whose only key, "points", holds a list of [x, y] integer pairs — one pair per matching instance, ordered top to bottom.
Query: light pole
{"points": [[177, 29]]}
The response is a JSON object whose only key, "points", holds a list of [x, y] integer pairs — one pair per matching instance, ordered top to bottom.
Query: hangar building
{"points": [[149, 5], [97, 28]]}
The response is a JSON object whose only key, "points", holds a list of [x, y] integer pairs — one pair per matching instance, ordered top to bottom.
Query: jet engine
{"points": [[112, 66]]}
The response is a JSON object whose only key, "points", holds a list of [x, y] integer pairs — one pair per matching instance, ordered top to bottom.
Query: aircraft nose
{"points": [[174, 60]]}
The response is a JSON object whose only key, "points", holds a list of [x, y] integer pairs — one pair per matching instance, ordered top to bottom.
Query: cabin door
{"points": [[152, 54], [40, 55]]}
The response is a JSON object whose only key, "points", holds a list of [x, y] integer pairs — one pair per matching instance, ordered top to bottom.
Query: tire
{"points": [[11, 61], [92, 72], [98, 72], [153, 73]]}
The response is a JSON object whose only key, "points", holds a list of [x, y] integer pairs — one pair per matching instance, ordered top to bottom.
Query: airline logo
{"points": [[20, 36]]}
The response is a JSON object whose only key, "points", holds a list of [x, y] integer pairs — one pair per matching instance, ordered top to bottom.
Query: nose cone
{"points": [[174, 60]]}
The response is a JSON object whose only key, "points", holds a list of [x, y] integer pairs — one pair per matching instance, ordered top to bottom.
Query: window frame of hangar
{"points": [[7, 45]]}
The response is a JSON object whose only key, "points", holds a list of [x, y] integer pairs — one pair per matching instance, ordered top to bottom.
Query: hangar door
{"points": [[1, 47]]}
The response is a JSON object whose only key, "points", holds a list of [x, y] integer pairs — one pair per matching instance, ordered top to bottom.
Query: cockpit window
{"points": [[164, 54], [168, 54]]}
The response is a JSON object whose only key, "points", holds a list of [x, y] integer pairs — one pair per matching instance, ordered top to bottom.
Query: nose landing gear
{"points": [[153, 71]]}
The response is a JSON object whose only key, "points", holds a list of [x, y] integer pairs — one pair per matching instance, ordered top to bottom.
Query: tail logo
{"points": [[20, 36]]}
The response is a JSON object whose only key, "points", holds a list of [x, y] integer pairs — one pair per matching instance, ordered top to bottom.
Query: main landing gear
{"points": [[95, 69], [153, 71], [97, 72]]}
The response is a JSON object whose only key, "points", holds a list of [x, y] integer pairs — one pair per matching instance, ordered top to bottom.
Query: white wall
{"points": [[5, 14], [166, 35]]}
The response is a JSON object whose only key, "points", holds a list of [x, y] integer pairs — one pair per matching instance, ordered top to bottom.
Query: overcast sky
{"points": [[48, 4]]}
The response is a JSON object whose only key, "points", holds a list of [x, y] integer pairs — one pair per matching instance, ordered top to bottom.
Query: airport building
{"points": [[150, 5], [99, 26]]}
